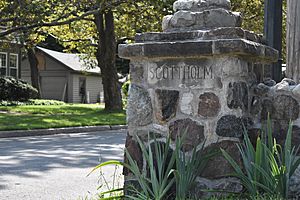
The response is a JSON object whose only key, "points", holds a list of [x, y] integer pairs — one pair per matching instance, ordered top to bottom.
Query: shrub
{"points": [[12, 89], [125, 89], [32, 102], [46, 102], [267, 168]]}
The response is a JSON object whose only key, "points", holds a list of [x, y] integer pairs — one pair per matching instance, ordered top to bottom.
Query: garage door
{"points": [[53, 87]]}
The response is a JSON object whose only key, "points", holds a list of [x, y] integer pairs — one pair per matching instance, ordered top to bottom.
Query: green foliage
{"points": [[253, 13], [12, 89], [125, 90], [32, 102], [46, 102], [268, 167], [188, 168], [164, 170], [157, 180], [258, 197]]}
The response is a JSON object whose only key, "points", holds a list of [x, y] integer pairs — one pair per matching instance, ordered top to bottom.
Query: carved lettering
{"points": [[186, 72]]}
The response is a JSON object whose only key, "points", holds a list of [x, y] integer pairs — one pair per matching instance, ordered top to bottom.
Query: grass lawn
{"points": [[56, 116]]}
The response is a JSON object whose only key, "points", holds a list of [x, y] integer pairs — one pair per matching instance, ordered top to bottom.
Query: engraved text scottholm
{"points": [[178, 74]]}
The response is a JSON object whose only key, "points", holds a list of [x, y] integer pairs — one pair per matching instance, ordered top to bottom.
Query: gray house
{"points": [[10, 59], [65, 76]]}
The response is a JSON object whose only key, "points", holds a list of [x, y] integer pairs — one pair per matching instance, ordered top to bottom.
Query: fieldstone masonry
{"points": [[200, 76]]}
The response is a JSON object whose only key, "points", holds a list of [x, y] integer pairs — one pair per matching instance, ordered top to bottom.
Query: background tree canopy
{"points": [[94, 27]]}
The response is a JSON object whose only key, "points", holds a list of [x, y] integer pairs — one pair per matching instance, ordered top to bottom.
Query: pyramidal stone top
{"points": [[201, 5], [201, 15], [200, 28]]}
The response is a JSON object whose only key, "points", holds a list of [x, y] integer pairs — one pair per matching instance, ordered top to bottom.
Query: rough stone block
{"points": [[200, 5], [183, 19], [207, 19], [166, 21], [137, 72], [269, 82], [261, 89], [296, 91], [237, 96], [167, 103], [209, 105], [255, 105], [139, 108], [286, 108], [267, 109], [230, 126], [192, 131], [296, 137], [135, 152], [218, 166], [224, 184], [294, 187]]}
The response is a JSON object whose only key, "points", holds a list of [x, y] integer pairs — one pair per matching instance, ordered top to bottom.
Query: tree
{"points": [[38, 15], [26, 18], [93, 26], [97, 36]]}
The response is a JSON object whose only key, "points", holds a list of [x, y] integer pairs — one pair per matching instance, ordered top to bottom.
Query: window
{"points": [[3, 64], [13, 65]]}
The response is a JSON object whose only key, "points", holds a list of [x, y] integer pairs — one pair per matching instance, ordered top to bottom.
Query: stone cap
{"points": [[200, 5], [187, 20], [212, 34], [203, 48]]}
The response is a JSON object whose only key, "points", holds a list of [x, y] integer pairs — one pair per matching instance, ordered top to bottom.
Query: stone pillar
{"points": [[293, 40], [195, 76]]}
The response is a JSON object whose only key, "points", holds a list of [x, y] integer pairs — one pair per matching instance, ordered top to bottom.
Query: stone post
{"points": [[293, 40], [195, 76]]}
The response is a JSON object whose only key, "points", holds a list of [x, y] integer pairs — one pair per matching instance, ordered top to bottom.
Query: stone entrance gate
{"points": [[201, 75]]}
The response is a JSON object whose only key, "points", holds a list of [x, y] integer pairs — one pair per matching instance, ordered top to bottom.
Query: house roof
{"points": [[74, 62]]}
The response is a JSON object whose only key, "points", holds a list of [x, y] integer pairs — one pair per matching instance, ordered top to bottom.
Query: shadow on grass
{"points": [[22, 157]]}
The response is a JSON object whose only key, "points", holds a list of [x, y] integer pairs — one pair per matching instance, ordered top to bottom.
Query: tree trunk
{"points": [[293, 39], [106, 57], [35, 77]]}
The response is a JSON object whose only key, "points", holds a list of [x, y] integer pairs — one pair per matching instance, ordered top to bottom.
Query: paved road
{"points": [[55, 167]]}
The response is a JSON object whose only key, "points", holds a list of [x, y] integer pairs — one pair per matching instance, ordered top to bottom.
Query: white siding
{"points": [[93, 86]]}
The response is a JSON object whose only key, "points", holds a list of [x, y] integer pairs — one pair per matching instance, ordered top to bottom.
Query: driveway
{"points": [[55, 167]]}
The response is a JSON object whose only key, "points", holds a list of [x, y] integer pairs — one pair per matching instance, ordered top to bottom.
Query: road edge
{"points": [[55, 131]]}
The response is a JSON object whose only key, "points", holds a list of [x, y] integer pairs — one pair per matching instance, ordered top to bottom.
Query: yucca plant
{"points": [[268, 167], [188, 168], [164, 170], [157, 180]]}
